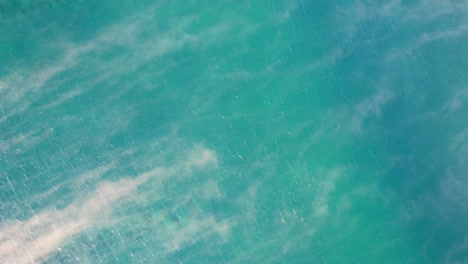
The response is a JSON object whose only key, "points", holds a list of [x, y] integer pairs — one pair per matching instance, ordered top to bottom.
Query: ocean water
{"points": [[269, 131]]}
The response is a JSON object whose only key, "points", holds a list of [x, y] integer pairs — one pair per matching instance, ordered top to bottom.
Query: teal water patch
{"points": [[233, 132]]}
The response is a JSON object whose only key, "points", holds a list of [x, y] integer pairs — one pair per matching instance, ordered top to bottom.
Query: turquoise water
{"points": [[233, 131]]}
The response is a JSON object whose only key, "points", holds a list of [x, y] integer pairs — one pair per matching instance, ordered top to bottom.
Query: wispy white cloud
{"points": [[287, 10], [402, 14], [424, 39], [332, 58], [36, 79], [21, 81], [63, 98], [457, 102], [372, 106], [18, 142], [200, 157], [455, 182], [325, 187], [195, 231], [34, 239], [31, 240], [457, 254]]}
